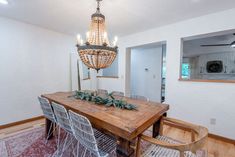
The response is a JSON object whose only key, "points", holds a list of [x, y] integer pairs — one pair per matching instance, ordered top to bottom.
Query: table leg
{"points": [[156, 127], [49, 129], [123, 148]]}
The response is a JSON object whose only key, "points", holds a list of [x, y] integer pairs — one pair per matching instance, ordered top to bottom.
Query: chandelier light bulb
{"points": [[87, 35], [105, 35], [116, 38], [78, 39], [115, 41], [81, 42]]}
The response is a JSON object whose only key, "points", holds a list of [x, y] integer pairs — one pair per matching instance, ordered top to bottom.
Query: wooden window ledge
{"points": [[115, 77], [86, 79], [202, 80]]}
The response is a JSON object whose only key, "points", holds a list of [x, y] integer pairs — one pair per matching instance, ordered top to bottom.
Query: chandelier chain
{"points": [[98, 6]]}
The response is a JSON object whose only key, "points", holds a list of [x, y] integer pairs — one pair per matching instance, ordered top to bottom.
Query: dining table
{"points": [[124, 125]]}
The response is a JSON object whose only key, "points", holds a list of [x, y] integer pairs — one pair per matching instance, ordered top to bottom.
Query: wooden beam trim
{"points": [[209, 81], [221, 138]]}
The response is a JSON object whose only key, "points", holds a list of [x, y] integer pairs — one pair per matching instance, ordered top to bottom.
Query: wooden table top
{"points": [[127, 124]]}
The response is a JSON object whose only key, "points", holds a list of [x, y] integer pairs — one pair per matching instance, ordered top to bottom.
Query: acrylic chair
{"points": [[102, 91], [117, 94], [139, 97], [48, 113], [63, 121], [91, 139], [169, 147]]}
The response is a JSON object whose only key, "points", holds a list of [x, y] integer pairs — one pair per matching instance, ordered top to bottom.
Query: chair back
{"points": [[102, 91], [116, 93], [139, 97], [47, 109], [62, 117], [83, 132], [199, 136]]}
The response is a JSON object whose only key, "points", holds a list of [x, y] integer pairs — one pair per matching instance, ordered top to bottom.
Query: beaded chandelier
{"points": [[97, 52]]}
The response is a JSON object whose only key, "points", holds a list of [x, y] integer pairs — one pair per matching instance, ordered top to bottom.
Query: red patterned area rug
{"points": [[32, 143]]}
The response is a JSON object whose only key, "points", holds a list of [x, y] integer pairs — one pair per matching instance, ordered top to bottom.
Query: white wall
{"points": [[33, 61], [146, 82], [195, 102]]}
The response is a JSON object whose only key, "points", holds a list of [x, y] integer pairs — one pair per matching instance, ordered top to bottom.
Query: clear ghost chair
{"points": [[102, 93], [117, 93], [139, 97], [91, 139]]}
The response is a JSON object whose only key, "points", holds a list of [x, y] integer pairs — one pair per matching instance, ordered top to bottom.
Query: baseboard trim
{"points": [[20, 122], [221, 138]]}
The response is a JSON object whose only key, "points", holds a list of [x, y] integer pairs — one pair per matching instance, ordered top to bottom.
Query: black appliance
{"points": [[214, 66]]}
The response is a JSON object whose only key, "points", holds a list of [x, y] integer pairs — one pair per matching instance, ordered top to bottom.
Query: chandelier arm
{"points": [[97, 47]]}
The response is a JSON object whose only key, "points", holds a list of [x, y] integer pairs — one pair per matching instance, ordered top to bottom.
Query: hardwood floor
{"points": [[22, 127], [216, 148]]}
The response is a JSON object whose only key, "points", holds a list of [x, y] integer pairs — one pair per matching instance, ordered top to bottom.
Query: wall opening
{"points": [[147, 69]]}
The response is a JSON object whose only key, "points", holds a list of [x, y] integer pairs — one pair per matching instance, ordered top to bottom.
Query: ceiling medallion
{"points": [[97, 52]]}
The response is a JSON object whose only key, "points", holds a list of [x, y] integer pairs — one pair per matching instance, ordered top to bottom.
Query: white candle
{"points": [[87, 35], [105, 35], [116, 38], [78, 39], [115, 41], [81, 42]]}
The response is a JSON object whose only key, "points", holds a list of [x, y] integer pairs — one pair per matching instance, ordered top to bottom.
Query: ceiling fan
{"points": [[232, 44]]}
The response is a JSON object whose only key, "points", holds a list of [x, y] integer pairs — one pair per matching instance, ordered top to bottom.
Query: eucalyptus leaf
{"points": [[108, 102]]}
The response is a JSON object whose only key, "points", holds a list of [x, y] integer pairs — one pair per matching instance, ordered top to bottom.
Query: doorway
{"points": [[147, 71]]}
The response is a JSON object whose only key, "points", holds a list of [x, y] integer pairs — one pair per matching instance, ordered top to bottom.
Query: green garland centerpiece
{"points": [[108, 101]]}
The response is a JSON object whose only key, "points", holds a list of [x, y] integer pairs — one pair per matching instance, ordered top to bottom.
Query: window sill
{"points": [[115, 77], [86, 79], [201, 80]]}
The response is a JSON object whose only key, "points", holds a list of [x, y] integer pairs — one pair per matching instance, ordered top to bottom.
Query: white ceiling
{"points": [[123, 16]]}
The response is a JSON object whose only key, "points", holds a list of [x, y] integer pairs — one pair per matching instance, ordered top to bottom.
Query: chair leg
{"points": [[51, 125], [55, 128], [69, 139], [59, 142], [64, 144], [74, 144], [138, 147], [77, 150], [181, 154], [84, 155]]}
